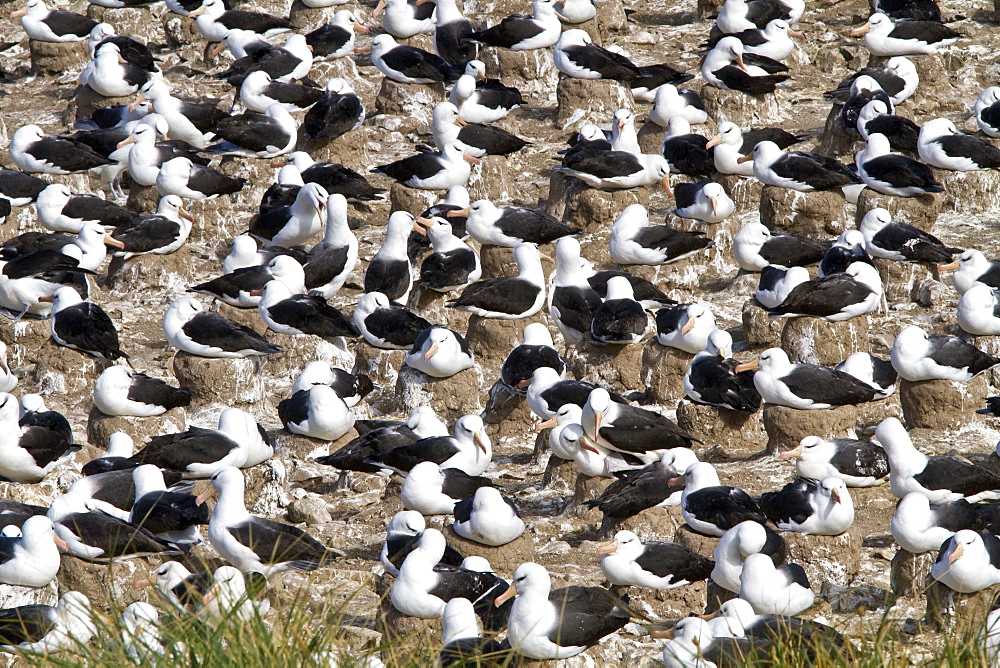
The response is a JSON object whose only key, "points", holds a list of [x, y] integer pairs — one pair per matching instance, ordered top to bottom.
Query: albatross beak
{"points": [[379, 9], [197, 12], [19, 13], [364, 29], [857, 32], [796, 35], [363, 49], [217, 50], [121, 61], [741, 64], [139, 100], [461, 122], [717, 139], [128, 140], [469, 158], [744, 158], [665, 182], [715, 205], [183, 213], [457, 213], [419, 229], [111, 241], [951, 266], [256, 293], [47, 299], [687, 326], [431, 352], [748, 366], [547, 424], [479, 440], [588, 444], [791, 454], [679, 480], [835, 495], [204, 496], [60, 543], [607, 548], [956, 553], [139, 584], [506, 596], [709, 616]]}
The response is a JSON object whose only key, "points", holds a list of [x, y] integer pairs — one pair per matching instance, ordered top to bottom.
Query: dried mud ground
{"points": [[293, 488]]}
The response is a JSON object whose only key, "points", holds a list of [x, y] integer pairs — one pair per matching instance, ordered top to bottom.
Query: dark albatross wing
{"points": [[819, 171], [793, 250], [821, 297], [212, 329], [952, 351], [827, 386], [637, 432], [860, 458], [960, 476], [790, 503], [723, 506], [115, 537], [274, 542], [673, 559], [585, 615], [25, 623]]}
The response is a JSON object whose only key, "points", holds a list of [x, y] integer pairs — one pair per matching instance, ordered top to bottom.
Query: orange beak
{"points": [[379, 9], [197, 12], [19, 13], [364, 29], [857, 32], [796, 35], [219, 48], [363, 49], [740, 64], [461, 122], [130, 139], [714, 141], [469, 158], [745, 158], [665, 182], [715, 205], [183, 213], [458, 213], [419, 229], [111, 241], [951, 266], [257, 293], [46, 299], [687, 326], [431, 352], [748, 366], [547, 424], [479, 440], [588, 444], [791, 454], [679, 480], [835, 495], [204, 496], [60, 543], [607, 548], [956, 553], [139, 584], [506, 596]]}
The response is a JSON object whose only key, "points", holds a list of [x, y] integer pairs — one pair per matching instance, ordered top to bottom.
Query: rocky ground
{"points": [[291, 487]]}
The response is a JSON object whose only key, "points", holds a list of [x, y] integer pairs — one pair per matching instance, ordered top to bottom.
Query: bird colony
{"points": [[630, 331]]}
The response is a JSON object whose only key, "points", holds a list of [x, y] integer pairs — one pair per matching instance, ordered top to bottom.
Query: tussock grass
{"points": [[302, 631]]}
